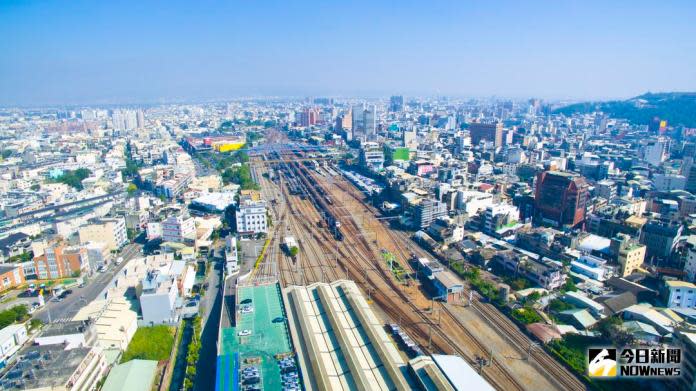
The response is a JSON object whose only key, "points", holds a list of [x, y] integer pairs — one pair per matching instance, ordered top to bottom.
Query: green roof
{"points": [[268, 338], [134, 375]]}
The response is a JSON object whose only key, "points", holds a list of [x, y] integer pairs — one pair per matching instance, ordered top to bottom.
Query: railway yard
{"points": [[340, 236]]}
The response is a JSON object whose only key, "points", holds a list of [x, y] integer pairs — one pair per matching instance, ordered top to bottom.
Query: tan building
{"points": [[110, 231], [629, 254]]}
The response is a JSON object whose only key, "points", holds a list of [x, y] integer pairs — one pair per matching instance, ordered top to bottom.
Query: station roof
{"points": [[341, 343], [460, 374]]}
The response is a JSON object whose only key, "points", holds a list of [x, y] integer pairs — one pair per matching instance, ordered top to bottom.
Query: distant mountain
{"points": [[678, 108]]}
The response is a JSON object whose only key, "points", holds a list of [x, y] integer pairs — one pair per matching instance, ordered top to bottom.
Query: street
{"points": [[66, 309]]}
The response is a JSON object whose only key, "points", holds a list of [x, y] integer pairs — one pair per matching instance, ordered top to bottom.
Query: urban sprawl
{"points": [[341, 244]]}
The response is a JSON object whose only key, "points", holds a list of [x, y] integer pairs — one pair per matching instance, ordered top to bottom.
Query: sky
{"points": [[86, 51]]}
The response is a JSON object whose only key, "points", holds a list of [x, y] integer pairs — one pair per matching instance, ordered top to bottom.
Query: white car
{"points": [[244, 333]]}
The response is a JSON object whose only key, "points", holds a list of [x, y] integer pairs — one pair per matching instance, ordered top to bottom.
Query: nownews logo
{"points": [[638, 362]]}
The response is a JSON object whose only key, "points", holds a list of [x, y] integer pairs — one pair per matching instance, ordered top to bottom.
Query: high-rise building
{"points": [[396, 103], [140, 119], [364, 120], [490, 132], [561, 198], [428, 211]]}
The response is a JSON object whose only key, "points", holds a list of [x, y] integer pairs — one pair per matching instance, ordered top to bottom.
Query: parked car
{"points": [[244, 333]]}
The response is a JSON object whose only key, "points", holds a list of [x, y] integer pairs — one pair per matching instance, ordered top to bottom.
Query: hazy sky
{"points": [[120, 51]]}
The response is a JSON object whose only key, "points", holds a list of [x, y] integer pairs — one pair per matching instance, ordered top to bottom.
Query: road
{"points": [[212, 307], [66, 309]]}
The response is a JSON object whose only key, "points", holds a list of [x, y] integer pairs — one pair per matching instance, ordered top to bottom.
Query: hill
{"points": [[678, 108]]}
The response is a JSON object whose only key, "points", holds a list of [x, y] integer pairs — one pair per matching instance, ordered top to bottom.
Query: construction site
{"points": [[339, 236]]}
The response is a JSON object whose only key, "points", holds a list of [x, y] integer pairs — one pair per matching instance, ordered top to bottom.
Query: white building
{"points": [[656, 152], [667, 182], [472, 202], [251, 217], [500, 217], [178, 229], [231, 256], [591, 267], [682, 294], [158, 298], [11, 339]]}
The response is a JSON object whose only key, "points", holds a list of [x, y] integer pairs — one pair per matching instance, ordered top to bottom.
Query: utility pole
{"points": [[430, 337]]}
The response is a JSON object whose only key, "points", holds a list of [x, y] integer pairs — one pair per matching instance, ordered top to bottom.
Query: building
{"points": [[396, 103], [364, 120], [489, 132], [371, 157], [667, 182], [606, 189], [561, 198], [213, 202], [473, 202], [427, 211], [251, 217], [499, 218], [178, 229], [111, 231], [660, 238], [13, 245], [629, 254], [231, 255], [690, 258], [54, 263], [591, 267], [543, 272], [11, 275], [444, 283], [680, 294], [158, 298], [324, 319], [113, 320], [70, 335], [12, 338], [687, 342], [54, 368], [446, 373], [134, 375]]}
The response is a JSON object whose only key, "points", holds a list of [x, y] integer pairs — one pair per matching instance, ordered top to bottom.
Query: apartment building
{"points": [[251, 217], [111, 231]]}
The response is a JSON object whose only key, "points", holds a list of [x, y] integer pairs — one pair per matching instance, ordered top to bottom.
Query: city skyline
{"points": [[86, 53]]}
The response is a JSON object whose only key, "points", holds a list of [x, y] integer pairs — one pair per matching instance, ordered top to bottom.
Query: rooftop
{"points": [[268, 338], [343, 344], [43, 367], [134, 375]]}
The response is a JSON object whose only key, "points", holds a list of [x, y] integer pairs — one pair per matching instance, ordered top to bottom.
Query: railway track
{"points": [[398, 305], [559, 375]]}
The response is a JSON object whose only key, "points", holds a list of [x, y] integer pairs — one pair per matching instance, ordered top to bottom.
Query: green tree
{"points": [[131, 189]]}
